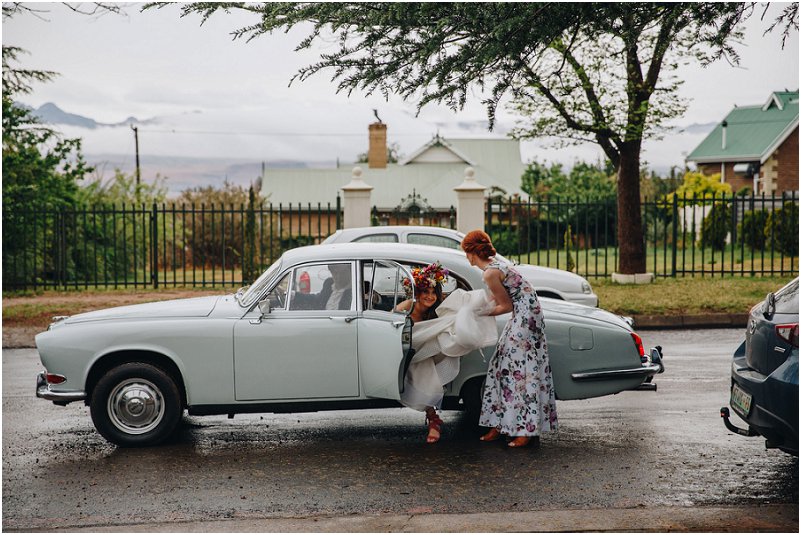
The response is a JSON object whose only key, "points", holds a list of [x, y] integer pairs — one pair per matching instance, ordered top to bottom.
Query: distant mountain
{"points": [[49, 113], [698, 128]]}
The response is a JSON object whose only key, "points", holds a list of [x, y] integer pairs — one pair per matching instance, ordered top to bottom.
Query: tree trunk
{"points": [[629, 217]]}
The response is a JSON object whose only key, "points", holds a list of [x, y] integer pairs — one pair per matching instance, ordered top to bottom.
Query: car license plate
{"points": [[740, 400]]}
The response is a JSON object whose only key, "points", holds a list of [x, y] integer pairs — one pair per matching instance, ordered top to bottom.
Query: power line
{"points": [[268, 134]]}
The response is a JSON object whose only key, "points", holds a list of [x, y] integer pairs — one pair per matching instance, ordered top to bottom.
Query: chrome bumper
{"points": [[648, 369], [59, 398]]}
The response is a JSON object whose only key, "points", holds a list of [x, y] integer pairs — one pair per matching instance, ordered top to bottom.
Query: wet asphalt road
{"points": [[635, 449]]}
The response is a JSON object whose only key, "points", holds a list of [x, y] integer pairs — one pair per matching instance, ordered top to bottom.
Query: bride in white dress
{"points": [[444, 330]]}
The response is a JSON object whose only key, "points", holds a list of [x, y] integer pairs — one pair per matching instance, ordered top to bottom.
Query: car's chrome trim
{"points": [[610, 374], [43, 391]]}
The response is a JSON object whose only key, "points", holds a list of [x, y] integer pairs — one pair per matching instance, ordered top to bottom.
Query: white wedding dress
{"points": [[462, 326]]}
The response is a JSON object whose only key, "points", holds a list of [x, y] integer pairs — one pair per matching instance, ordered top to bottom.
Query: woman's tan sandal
{"points": [[493, 434]]}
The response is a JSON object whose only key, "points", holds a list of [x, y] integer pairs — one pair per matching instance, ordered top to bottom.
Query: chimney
{"points": [[724, 124], [377, 153]]}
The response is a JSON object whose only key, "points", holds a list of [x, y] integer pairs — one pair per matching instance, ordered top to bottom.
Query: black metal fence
{"points": [[711, 235], [155, 246], [223, 246]]}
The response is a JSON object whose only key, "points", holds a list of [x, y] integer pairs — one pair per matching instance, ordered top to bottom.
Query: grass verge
{"points": [[687, 296]]}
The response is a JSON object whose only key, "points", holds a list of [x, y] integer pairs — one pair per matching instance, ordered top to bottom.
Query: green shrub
{"points": [[716, 226], [781, 229], [751, 231], [505, 241]]}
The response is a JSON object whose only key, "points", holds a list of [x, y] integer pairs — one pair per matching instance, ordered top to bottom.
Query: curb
{"points": [[741, 518]]}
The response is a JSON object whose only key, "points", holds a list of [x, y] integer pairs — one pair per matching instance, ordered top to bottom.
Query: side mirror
{"points": [[265, 306], [769, 308]]}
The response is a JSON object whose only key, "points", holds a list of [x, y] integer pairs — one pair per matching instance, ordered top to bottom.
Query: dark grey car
{"points": [[764, 391]]}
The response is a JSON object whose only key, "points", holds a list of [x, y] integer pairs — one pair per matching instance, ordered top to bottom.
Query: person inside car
{"points": [[336, 293]]}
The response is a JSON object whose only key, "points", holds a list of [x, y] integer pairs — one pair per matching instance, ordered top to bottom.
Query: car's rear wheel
{"points": [[136, 404]]}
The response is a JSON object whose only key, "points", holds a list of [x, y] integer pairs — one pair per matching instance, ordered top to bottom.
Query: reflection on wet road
{"points": [[629, 450]]}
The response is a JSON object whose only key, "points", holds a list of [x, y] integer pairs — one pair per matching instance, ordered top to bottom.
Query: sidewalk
{"points": [[740, 518]]}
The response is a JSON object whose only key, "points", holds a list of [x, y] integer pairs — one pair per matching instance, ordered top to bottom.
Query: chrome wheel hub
{"points": [[136, 406]]}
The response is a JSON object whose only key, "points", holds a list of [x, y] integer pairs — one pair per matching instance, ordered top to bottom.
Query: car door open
{"points": [[385, 335]]}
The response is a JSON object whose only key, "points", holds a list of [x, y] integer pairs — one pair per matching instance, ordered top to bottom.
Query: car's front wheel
{"points": [[136, 404]]}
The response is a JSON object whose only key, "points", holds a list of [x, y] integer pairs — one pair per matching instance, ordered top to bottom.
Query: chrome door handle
{"points": [[346, 319]]}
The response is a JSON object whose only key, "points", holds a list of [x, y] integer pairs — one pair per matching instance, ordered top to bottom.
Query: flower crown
{"points": [[426, 277]]}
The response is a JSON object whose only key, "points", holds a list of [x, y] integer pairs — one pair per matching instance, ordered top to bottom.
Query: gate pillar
{"points": [[357, 201], [470, 203]]}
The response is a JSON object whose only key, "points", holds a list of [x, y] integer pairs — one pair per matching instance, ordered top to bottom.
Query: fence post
{"points": [[339, 212], [675, 234], [154, 253]]}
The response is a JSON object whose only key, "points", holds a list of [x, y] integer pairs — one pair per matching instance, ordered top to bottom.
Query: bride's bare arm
{"points": [[404, 306]]}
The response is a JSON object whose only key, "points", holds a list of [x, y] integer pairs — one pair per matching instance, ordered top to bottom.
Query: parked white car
{"points": [[548, 282], [273, 348]]}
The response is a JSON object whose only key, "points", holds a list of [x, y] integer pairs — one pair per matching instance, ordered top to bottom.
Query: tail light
{"points": [[789, 333], [640, 348], [55, 379]]}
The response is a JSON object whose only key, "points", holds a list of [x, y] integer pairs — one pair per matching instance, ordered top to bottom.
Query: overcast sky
{"points": [[223, 98]]}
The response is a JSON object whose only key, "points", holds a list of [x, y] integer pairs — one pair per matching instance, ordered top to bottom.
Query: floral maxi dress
{"points": [[518, 396]]}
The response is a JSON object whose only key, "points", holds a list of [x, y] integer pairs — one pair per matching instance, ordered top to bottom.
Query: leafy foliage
{"points": [[40, 172], [584, 181], [701, 186], [123, 189], [715, 227], [781, 229], [751, 230]]}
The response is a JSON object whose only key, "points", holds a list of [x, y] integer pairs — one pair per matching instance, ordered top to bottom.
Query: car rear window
{"points": [[378, 238], [428, 239]]}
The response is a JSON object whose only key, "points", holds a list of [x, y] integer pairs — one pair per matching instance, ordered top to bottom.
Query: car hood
{"points": [[544, 276], [196, 307], [582, 311]]}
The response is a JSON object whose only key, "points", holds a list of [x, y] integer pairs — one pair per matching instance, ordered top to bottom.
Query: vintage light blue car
{"points": [[289, 343]]}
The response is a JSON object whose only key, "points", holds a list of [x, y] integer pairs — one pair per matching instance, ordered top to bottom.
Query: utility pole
{"points": [[136, 141]]}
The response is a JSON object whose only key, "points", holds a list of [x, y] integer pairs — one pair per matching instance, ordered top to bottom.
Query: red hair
{"points": [[478, 242]]}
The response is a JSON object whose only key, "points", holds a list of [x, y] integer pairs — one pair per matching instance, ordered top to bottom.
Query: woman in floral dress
{"points": [[518, 398]]}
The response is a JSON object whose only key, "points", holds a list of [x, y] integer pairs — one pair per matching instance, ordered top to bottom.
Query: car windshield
{"points": [[248, 295]]}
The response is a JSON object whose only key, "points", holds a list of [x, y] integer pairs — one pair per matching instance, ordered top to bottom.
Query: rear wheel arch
{"points": [[117, 358]]}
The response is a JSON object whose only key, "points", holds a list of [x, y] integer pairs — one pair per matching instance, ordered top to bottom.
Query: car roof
{"points": [[398, 229], [363, 251]]}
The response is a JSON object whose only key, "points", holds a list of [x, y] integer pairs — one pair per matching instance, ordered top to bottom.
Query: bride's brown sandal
{"points": [[434, 423], [493, 434]]}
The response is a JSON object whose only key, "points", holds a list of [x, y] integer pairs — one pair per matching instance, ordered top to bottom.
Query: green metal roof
{"points": [[752, 132], [496, 162]]}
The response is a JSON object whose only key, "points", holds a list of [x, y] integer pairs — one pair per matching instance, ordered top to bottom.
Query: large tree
{"points": [[583, 71]]}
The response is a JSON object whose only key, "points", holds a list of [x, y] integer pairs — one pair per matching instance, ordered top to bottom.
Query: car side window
{"points": [[378, 238], [428, 239], [322, 287], [383, 287], [278, 295]]}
